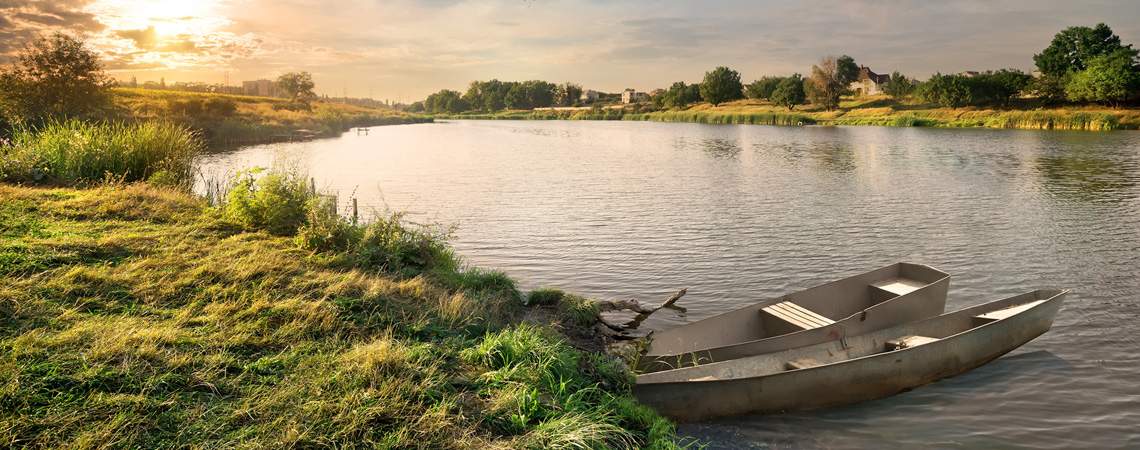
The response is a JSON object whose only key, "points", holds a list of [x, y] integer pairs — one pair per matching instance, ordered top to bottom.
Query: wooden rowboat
{"points": [[892, 295], [853, 368]]}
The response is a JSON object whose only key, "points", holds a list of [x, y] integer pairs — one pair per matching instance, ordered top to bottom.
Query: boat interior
{"points": [[897, 338]]}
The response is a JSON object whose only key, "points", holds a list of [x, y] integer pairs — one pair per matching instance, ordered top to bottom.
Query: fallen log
{"points": [[633, 305]]}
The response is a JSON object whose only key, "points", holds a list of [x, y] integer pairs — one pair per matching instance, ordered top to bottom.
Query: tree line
{"points": [[1081, 64]]}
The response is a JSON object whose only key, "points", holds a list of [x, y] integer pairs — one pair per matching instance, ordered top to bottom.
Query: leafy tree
{"points": [[1073, 47], [847, 70], [54, 76], [1108, 79], [827, 83], [1004, 84], [299, 85], [721, 85], [899, 87], [763, 88], [1049, 89], [945, 90], [789, 92], [569, 94], [679, 95], [445, 102]]}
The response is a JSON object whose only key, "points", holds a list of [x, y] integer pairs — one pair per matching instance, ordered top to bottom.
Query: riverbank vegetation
{"points": [[56, 78], [1088, 80], [136, 315]]}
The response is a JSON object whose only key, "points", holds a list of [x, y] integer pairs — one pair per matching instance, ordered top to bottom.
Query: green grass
{"points": [[83, 153], [137, 316]]}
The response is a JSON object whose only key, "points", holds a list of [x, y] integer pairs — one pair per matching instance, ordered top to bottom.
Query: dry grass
{"points": [[138, 317]]}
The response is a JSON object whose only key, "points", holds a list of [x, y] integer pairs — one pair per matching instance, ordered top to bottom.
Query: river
{"points": [[737, 214]]}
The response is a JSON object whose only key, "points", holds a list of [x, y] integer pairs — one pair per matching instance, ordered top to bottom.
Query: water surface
{"points": [[738, 214]]}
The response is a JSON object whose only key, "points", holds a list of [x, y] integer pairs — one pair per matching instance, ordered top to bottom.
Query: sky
{"points": [[403, 50]]}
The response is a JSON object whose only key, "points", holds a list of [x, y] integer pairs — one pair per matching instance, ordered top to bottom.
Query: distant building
{"points": [[970, 73], [868, 82], [259, 88], [657, 91], [589, 96], [630, 96]]}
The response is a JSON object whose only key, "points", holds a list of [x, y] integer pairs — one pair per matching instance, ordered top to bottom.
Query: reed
{"points": [[75, 152]]}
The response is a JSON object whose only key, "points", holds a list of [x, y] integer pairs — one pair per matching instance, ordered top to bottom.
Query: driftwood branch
{"points": [[633, 305]]}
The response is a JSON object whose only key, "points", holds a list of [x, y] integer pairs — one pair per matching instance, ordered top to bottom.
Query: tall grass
{"points": [[77, 152]]}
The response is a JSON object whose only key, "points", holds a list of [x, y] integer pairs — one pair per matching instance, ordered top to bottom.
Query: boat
{"points": [[884, 297], [852, 369]]}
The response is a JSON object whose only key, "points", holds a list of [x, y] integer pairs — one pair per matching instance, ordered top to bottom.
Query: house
{"points": [[970, 73], [868, 82], [259, 88], [656, 92], [589, 96], [631, 96]]}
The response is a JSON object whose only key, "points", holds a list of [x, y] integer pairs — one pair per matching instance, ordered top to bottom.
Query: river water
{"points": [[737, 214]]}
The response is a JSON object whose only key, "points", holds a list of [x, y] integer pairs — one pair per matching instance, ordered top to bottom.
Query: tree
{"points": [[1073, 47], [847, 70], [54, 76], [1108, 79], [827, 83], [1004, 84], [299, 85], [721, 85], [899, 87], [763, 88], [1049, 89], [945, 90], [789, 92], [569, 94], [445, 102]]}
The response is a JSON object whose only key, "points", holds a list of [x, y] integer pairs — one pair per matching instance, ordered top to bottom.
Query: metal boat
{"points": [[892, 295], [852, 369]]}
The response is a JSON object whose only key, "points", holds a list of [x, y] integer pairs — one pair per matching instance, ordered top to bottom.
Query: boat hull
{"points": [[857, 307], [750, 386]]}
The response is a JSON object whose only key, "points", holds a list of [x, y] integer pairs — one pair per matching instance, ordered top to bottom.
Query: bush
{"points": [[220, 106], [278, 202]]}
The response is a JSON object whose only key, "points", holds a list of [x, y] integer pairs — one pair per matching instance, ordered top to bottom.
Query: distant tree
{"points": [[1073, 47], [847, 70], [54, 76], [1107, 79], [134, 82], [827, 83], [1005, 84], [298, 85], [721, 85], [899, 87], [763, 88], [1049, 89], [945, 90], [789, 92], [540, 94], [569, 94], [679, 95], [517, 98], [445, 102]]}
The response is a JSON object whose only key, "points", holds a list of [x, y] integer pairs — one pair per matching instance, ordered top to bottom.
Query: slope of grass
{"points": [[238, 119], [134, 316]]}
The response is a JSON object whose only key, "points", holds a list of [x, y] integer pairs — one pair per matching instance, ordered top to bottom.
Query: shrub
{"points": [[277, 202]]}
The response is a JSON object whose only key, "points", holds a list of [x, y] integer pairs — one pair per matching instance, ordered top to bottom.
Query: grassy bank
{"points": [[875, 110], [235, 119], [134, 315], [138, 316]]}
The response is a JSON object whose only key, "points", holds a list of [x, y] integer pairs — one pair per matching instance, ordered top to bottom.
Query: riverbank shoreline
{"points": [[874, 111]]}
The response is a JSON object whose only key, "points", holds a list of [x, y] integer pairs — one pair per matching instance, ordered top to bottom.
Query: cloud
{"points": [[22, 20]]}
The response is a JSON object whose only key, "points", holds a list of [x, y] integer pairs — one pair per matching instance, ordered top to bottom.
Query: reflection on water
{"points": [[737, 214]]}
